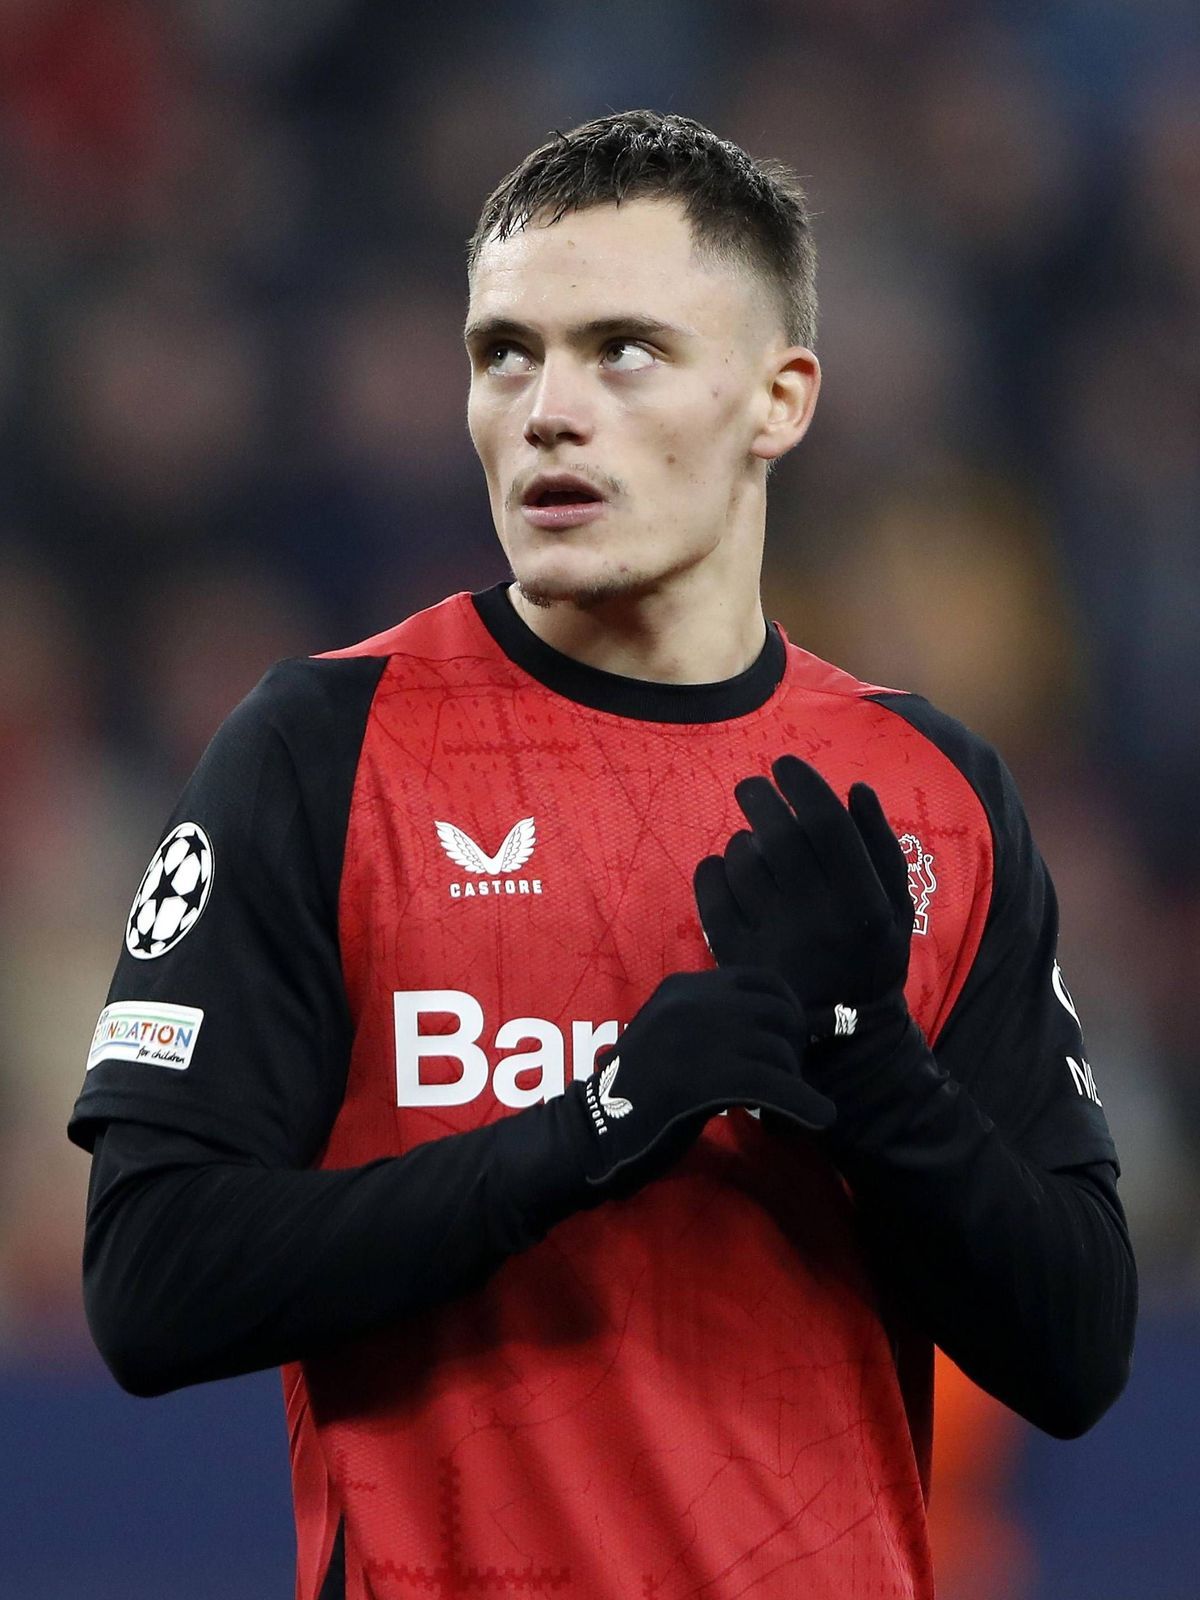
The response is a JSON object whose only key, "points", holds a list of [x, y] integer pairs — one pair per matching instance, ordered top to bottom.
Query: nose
{"points": [[558, 410]]}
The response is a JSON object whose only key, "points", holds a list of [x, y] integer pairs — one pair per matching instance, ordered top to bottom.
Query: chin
{"points": [[583, 591], [583, 594]]}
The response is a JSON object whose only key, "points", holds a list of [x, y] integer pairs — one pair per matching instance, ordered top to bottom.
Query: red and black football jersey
{"points": [[414, 888]]}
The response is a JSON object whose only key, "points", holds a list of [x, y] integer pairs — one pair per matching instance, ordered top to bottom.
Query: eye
{"points": [[624, 355], [506, 360]]}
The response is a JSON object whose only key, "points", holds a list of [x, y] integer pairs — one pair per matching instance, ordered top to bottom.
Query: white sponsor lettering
{"points": [[1062, 993], [146, 1031], [587, 1041], [412, 1047], [547, 1061], [522, 1077], [1085, 1084]]}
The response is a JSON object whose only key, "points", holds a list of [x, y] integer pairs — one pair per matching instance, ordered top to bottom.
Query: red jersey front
{"points": [[414, 890], [689, 1392]]}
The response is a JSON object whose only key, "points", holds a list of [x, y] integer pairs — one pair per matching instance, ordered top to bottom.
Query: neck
{"points": [[659, 637]]}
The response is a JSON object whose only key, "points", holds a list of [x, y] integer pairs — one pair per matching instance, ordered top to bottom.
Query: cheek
{"points": [[728, 405], [475, 422], [485, 434], [701, 443]]}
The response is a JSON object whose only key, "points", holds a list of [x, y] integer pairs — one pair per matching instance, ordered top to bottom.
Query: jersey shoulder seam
{"points": [[982, 768]]}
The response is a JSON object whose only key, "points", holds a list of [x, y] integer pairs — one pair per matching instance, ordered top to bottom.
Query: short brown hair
{"points": [[740, 210]]}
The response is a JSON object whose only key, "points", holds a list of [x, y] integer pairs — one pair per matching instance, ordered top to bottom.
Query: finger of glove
{"points": [[833, 837], [782, 841], [883, 848], [754, 889], [721, 918], [717, 993], [760, 997], [774, 1028], [767, 1089], [660, 1150]]}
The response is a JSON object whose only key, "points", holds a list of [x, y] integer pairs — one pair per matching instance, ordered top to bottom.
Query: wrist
{"points": [[873, 1028], [881, 1077], [542, 1160]]}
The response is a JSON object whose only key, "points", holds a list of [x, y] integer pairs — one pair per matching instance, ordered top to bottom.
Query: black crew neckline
{"points": [[630, 697]]}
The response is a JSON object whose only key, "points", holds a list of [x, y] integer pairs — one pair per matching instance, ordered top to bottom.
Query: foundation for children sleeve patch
{"points": [[148, 1031]]}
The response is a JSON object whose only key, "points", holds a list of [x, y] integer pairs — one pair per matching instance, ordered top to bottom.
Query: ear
{"points": [[794, 379]]}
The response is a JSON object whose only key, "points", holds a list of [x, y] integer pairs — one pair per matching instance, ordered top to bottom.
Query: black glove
{"points": [[817, 893], [703, 1041]]}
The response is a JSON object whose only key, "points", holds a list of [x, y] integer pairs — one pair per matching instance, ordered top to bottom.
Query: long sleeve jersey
{"points": [[411, 892]]}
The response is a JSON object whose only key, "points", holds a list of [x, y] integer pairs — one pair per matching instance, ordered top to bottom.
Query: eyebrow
{"points": [[491, 330]]}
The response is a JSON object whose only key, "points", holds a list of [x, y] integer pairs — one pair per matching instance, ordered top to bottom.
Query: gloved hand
{"points": [[817, 893], [703, 1041]]}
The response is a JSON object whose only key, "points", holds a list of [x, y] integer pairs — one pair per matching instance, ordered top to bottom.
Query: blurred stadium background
{"points": [[232, 429]]}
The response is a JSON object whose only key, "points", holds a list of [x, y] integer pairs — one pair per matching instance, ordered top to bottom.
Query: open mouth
{"points": [[576, 495], [560, 500]]}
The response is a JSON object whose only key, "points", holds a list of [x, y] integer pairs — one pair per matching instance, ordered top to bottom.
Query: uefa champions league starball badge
{"points": [[172, 894]]}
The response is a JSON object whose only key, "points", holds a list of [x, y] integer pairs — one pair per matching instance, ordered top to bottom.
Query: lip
{"points": [[558, 482], [569, 516]]}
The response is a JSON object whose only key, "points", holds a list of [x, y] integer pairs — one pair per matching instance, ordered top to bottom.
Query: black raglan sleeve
{"points": [[233, 1026], [1013, 1038], [218, 1067], [984, 1169]]}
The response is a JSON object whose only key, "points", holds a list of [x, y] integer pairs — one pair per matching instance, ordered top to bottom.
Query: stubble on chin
{"points": [[580, 597]]}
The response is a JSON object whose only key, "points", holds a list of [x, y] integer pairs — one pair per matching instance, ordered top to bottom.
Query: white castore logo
{"points": [[511, 856], [496, 872], [613, 1104], [604, 1105]]}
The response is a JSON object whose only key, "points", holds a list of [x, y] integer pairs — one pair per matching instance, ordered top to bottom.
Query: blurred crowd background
{"points": [[232, 429]]}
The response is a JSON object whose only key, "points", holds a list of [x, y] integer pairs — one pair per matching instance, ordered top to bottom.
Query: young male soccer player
{"points": [[412, 1072]]}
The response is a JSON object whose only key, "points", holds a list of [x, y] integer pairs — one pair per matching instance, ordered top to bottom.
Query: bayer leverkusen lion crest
{"points": [[921, 880]]}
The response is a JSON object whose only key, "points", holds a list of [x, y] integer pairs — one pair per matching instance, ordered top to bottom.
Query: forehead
{"points": [[608, 260]]}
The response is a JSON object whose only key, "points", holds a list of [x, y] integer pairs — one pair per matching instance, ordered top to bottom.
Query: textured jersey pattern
{"points": [[688, 1393]]}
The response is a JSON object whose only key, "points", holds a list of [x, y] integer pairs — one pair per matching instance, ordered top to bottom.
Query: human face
{"points": [[619, 383]]}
